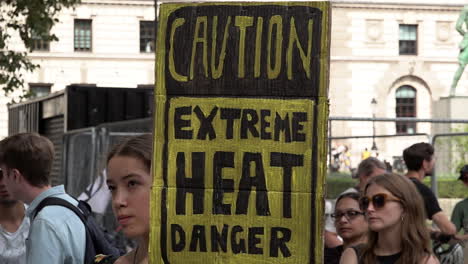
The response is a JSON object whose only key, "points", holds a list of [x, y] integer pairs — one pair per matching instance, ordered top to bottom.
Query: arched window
{"points": [[405, 107]]}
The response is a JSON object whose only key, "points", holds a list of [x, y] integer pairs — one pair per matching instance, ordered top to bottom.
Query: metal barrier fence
{"points": [[448, 136], [85, 150], [84, 162]]}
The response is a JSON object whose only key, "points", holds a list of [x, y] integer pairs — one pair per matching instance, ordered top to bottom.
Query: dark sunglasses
{"points": [[378, 201], [349, 215]]}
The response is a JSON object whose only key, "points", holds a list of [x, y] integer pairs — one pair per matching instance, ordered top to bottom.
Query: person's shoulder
{"points": [[415, 181], [421, 186], [68, 198], [461, 204], [58, 209], [57, 214], [58, 217], [349, 256], [125, 259], [430, 260]]}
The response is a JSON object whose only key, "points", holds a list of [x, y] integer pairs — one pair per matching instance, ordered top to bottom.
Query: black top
{"points": [[430, 201], [333, 255], [389, 259]]}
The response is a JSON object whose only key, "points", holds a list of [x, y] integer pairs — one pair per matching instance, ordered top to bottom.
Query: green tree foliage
{"points": [[26, 19], [460, 143], [455, 149]]}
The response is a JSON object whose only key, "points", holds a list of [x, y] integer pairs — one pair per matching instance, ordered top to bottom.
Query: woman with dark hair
{"points": [[129, 180], [350, 223], [397, 230]]}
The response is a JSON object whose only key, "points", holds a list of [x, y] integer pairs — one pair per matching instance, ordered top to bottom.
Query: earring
{"points": [[402, 217]]}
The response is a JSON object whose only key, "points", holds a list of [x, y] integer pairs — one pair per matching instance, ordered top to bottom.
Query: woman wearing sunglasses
{"points": [[350, 223], [397, 230]]}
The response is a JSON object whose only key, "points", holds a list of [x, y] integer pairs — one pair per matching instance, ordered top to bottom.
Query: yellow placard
{"points": [[240, 132]]}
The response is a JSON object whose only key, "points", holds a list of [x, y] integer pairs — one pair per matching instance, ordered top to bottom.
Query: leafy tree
{"points": [[27, 19], [460, 144], [454, 150]]}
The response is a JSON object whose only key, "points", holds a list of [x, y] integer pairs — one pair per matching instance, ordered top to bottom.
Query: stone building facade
{"points": [[107, 43], [402, 54]]}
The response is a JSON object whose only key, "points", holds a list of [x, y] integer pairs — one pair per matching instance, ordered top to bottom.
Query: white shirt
{"points": [[329, 223], [13, 245]]}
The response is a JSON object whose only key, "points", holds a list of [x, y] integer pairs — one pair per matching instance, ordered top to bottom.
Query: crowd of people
{"points": [[383, 218], [380, 220], [55, 234]]}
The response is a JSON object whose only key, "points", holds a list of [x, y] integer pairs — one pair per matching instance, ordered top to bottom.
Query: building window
{"points": [[83, 36], [147, 36], [408, 39], [39, 44], [39, 89], [405, 107]]}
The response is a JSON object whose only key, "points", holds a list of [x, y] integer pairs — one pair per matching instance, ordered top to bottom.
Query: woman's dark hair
{"points": [[139, 147], [415, 154], [352, 195]]}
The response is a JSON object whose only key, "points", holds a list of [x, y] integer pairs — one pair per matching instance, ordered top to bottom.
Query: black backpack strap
{"points": [[60, 202], [89, 254]]}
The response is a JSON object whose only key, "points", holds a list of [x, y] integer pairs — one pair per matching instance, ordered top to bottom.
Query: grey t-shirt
{"points": [[13, 245]]}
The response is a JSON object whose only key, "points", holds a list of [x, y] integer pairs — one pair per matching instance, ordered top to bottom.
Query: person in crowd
{"points": [[365, 154], [347, 158], [419, 159], [388, 165], [367, 169], [129, 180], [460, 212], [396, 218], [350, 223], [14, 228], [57, 234], [331, 237]]}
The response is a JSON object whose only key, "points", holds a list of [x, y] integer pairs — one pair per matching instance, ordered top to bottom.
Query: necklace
{"points": [[134, 256]]}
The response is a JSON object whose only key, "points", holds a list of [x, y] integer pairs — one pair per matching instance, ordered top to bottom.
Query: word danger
{"points": [[251, 123], [195, 184], [239, 240]]}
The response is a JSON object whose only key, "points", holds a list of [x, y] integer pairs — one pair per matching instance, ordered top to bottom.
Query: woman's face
{"points": [[130, 184], [389, 216], [350, 223]]}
